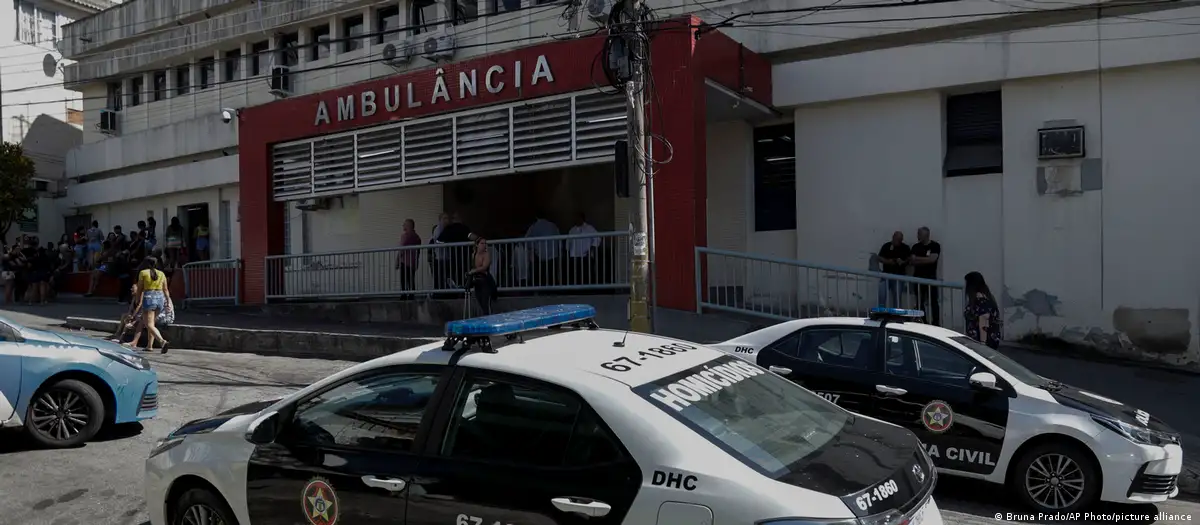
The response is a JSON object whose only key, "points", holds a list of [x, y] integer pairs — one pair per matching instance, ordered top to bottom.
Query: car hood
{"points": [[81, 341], [1102, 406], [208, 424], [865, 454]]}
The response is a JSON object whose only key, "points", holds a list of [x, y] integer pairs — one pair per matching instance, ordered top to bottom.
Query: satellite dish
{"points": [[389, 53], [49, 65]]}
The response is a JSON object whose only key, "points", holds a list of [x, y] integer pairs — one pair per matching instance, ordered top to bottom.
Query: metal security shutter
{"points": [[599, 122], [542, 133], [974, 134], [482, 142], [428, 149], [380, 151], [333, 164], [292, 169]]}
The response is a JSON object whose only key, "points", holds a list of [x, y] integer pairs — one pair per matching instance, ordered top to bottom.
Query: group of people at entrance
{"points": [[981, 311]]}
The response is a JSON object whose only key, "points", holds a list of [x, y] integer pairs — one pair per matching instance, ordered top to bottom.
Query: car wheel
{"points": [[65, 414], [1057, 477], [201, 506]]}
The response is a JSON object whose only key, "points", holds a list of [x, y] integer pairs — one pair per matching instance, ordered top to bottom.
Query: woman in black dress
{"points": [[982, 312]]}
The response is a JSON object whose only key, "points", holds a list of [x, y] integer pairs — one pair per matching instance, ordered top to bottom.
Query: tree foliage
{"points": [[16, 185]]}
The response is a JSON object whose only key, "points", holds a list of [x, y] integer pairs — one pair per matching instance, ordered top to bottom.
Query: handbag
{"points": [[166, 316]]}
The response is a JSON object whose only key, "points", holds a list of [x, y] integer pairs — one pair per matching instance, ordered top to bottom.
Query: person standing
{"points": [[152, 231], [95, 237], [174, 242], [202, 242], [545, 252], [582, 252], [925, 255], [893, 256], [408, 259], [480, 276], [152, 289], [982, 312]]}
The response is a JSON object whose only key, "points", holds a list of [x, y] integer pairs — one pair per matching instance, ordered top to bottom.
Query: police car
{"points": [[980, 414], [539, 417]]}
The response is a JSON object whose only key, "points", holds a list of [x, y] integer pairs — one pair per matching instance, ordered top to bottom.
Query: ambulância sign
{"points": [[495, 79]]}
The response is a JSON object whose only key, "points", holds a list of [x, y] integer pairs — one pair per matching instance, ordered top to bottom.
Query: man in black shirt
{"points": [[925, 254], [893, 256]]}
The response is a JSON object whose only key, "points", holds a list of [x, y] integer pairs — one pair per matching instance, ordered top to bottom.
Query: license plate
{"points": [[919, 516]]}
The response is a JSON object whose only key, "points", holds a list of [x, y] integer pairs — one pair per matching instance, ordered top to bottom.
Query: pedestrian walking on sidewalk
{"points": [[480, 279], [153, 292], [982, 312]]}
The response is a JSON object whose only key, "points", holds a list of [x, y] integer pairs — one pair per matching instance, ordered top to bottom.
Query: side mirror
{"points": [[984, 380], [263, 430]]}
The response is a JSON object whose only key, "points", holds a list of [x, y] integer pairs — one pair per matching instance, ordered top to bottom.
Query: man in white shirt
{"points": [[582, 251], [547, 271]]}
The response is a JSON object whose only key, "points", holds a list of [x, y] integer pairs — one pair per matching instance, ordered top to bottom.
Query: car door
{"points": [[839, 363], [10, 372], [926, 388], [516, 451], [346, 454]]}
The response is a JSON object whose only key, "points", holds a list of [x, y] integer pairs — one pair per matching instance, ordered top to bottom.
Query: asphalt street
{"points": [[101, 483]]}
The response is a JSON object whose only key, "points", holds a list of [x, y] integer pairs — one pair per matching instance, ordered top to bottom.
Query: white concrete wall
{"points": [[28, 92], [191, 136], [210, 173], [163, 206]]}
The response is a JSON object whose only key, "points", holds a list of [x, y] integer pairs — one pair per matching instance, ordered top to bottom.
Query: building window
{"points": [[500, 6], [465, 11], [424, 16], [387, 19], [36, 25], [352, 30], [320, 39], [289, 52], [258, 57], [233, 64], [208, 69], [183, 80], [160, 85], [136, 86], [114, 96], [74, 117], [974, 134], [774, 178]]}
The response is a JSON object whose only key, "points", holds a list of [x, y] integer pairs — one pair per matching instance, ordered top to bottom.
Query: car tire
{"points": [[65, 414], [1046, 478], [201, 506]]}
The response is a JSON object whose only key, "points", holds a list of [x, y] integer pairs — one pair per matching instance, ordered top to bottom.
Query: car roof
{"points": [[787, 327]]}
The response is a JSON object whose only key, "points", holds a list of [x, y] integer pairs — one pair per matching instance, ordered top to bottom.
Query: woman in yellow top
{"points": [[151, 290]]}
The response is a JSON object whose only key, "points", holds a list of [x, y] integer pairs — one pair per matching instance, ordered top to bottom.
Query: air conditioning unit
{"points": [[598, 10], [438, 45], [398, 55], [281, 81], [108, 121], [313, 204]]}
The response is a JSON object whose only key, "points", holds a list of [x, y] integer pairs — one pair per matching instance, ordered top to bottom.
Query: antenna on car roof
{"points": [[479, 331], [621, 343]]}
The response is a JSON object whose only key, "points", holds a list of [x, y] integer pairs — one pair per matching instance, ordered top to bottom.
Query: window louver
{"points": [[600, 121], [542, 133], [482, 142], [428, 149], [379, 156], [333, 164], [292, 169]]}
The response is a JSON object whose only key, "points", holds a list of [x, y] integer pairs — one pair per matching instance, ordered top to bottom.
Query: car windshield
{"points": [[1001, 361], [766, 421]]}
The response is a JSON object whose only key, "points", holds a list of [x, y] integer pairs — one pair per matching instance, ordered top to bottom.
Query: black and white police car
{"points": [[979, 413], [538, 417]]}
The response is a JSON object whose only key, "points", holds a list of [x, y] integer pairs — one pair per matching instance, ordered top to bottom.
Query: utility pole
{"points": [[637, 45]]}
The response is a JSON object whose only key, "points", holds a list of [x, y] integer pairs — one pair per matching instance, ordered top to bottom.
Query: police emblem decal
{"points": [[937, 416], [919, 473], [319, 502]]}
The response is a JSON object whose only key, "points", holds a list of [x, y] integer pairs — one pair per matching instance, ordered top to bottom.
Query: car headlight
{"points": [[132, 361], [1141, 436], [166, 444]]}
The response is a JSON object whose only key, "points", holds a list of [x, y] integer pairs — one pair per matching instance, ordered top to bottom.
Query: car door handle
{"points": [[781, 370], [890, 390], [388, 484], [582, 506]]}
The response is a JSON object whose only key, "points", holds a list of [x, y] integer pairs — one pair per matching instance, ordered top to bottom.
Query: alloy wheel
{"points": [[60, 414], [1054, 481], [200, 514]]}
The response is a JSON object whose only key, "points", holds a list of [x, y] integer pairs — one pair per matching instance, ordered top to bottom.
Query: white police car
{"points": [[979, 413], [502, 425]]}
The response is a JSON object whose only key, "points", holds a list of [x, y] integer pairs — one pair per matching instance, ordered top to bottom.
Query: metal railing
{"points": [[596, 261], [217, 281], [783, 289]]}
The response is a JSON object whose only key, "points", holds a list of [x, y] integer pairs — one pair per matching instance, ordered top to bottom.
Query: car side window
{"points": [[837, 347], [928, 361], [380, 412], [527, 425]]}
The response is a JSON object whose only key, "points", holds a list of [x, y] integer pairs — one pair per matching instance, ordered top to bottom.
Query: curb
{"points": [[308, 345]]}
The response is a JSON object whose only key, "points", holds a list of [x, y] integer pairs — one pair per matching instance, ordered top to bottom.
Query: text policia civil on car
{"points": [[468, 86]]}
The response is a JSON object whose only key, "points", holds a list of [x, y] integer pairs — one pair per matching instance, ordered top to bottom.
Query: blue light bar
{"points": [[880, 312], [520, 320]]}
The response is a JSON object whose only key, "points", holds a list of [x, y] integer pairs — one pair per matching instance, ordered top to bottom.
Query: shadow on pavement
{"points": [[14, 440]]}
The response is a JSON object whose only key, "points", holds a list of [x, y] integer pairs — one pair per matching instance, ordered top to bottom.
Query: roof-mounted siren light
{"points": [[598, 10], [895, 315], [512, 324]]}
